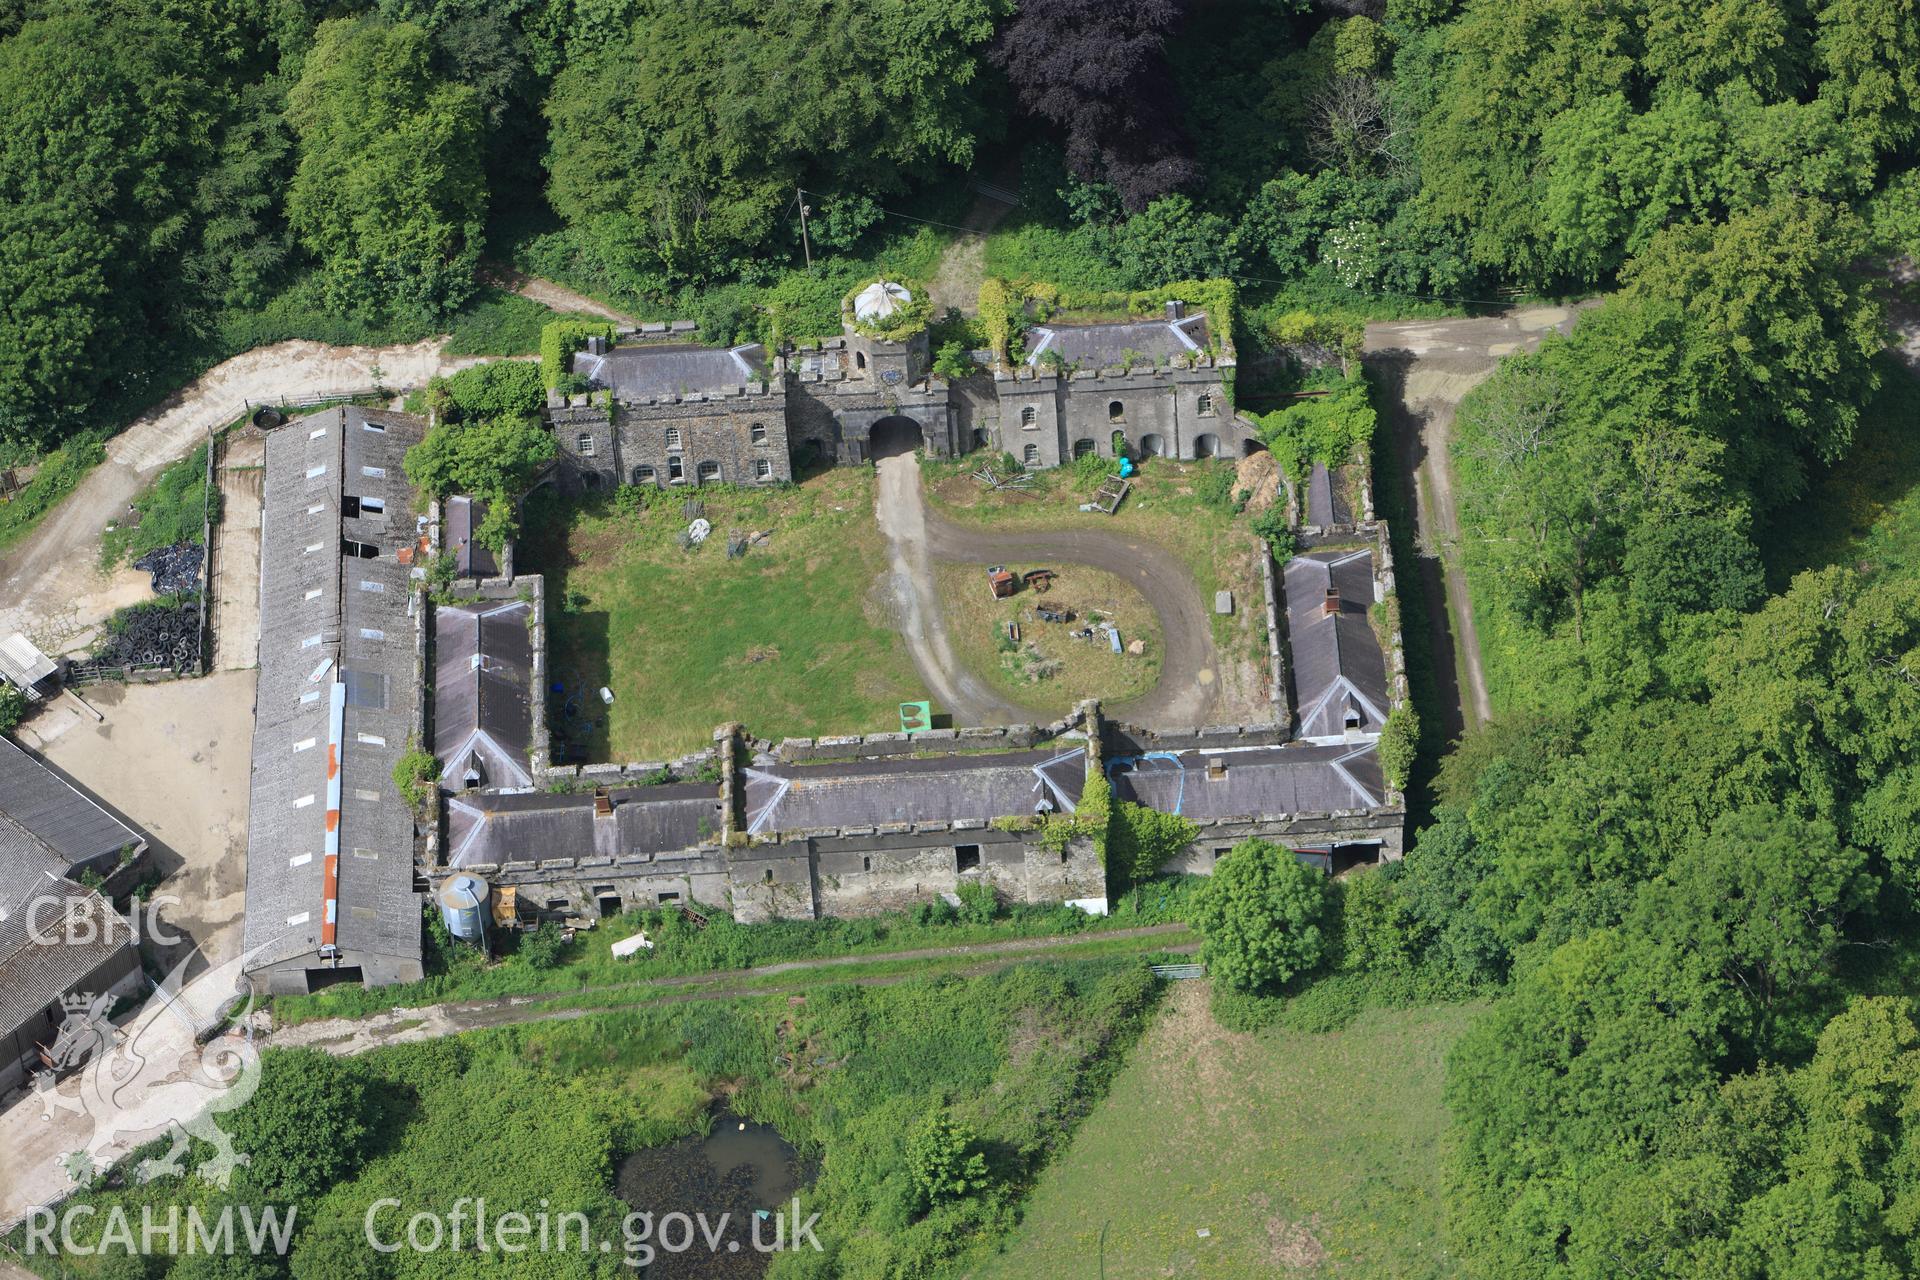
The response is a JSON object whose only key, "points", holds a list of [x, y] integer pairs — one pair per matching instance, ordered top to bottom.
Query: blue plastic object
{"points": [[1126, 467]]}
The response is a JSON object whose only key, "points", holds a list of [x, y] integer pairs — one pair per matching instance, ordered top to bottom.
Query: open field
{"points": [[1164, 507], [1865, 509], [791, 639], [1087, 668], [1298, 1154]]}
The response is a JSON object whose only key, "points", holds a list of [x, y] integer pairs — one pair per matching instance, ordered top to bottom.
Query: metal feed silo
{"points": [[463, 907]]}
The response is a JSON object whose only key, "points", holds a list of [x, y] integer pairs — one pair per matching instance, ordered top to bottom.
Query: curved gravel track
{"points": [[915, 536]]}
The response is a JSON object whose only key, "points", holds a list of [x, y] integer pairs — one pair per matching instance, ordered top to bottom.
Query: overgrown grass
{"points": [[499, 323], [60, 471], [1865, 509], [172, 510], [793, 639], [461, 972], [538, 1118], [1296, 1153]]}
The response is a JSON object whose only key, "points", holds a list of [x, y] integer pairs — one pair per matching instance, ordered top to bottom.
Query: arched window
{"points": [[859, 359], [1206, 406], [1116, 412], [1029, 418], [759, 432], [673, 437], [585, 443], [1082, 447], [1031, 455], [762, 469], [676, 470], [709, 473], [643, 475]]}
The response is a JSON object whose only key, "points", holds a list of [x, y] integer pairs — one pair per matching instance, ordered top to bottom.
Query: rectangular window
{"points": [[373, 426], [316, 433], [673, 437], [585, 443], [676, 469], [762, 469], [314, 473], [376, 473], [373, 506], [349, 507], [316, 508], [313, 547], [359, 550], [365, 585], [314, 594], [372, 633], [310, 642], [312, 695], [371, 739], [305, 744], [362, 793], [303, 802], [966, 857], [300, 860], [302, 918]]}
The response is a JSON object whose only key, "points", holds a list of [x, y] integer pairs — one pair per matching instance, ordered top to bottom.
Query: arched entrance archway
{"points": [[895, 435], [1252, 445], [1150, 446], [1207, 446]]}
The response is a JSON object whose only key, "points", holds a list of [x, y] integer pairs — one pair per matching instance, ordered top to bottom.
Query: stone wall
{"points": [[744, 435], [1383, 828]]}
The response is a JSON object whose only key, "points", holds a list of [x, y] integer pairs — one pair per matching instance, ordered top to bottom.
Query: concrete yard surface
{"points": [[175, 760]]}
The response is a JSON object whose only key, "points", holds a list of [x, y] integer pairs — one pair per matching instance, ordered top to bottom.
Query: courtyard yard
{"points": [[1167, 506], [794, 638], [1047, 670], [1286, 1153]]}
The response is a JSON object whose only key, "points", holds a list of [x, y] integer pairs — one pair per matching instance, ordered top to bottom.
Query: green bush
{"points": [[497, 323], [560, 339], [499, 388], [1090, 470], [60, 471], [1214, 486], [1271, 527], [13, 708], [1399, 744], [414, 774], [1141, 841], [1263, 917], [542, 948], [944, 1160]]}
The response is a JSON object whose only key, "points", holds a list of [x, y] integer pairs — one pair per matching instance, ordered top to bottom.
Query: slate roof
{"points": [[1095, 346], [661, 369], [1325, 505], [471, 559], [327, 616], [1339, 672], [482, 694], [1256, 782], [801, 797], [49, 825], [487, 829], [77, 932]]}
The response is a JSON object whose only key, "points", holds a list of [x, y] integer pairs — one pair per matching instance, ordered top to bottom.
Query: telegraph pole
{"points": [[805, 244]]}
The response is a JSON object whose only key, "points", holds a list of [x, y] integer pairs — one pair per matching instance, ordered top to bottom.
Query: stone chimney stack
{"points": [[1176, 310], [1331, 605]]}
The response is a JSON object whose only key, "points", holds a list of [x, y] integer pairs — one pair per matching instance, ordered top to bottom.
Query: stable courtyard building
{"points": [[661, 410]]}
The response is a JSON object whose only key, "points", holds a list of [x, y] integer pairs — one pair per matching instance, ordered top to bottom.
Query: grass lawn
{"points": [[1163, 507], [1865, 509], [792, 639], [1077, 669], [1299, 1154]]}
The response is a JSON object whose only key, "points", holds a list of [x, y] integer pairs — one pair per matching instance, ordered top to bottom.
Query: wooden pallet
{"points": [[1111, 493]]}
